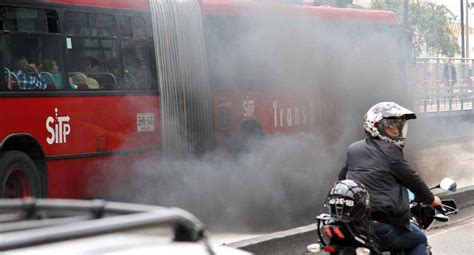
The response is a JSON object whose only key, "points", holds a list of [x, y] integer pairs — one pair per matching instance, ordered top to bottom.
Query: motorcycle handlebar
{"points": [[441, 209], [448, 210]]}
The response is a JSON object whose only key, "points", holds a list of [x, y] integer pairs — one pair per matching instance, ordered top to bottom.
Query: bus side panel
{"points": [[276, 112], [81, 135], [103, 177]]}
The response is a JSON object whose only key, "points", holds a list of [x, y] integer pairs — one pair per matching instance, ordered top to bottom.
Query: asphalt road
{"points": [[454, 239]]}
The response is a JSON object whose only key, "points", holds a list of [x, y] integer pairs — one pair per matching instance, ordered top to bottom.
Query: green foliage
{"points": [[428, 23]]}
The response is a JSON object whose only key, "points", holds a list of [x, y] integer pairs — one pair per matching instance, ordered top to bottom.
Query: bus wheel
{"points": [[18, 175]]}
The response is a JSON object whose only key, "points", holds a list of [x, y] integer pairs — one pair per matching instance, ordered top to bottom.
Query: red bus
{"points": [[90, 86]]}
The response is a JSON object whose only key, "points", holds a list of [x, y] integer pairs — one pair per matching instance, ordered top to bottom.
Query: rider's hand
{"points": [[436, 202]]}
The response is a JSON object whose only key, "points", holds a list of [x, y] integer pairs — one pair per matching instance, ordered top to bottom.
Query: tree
{"points": [[428, 23]]}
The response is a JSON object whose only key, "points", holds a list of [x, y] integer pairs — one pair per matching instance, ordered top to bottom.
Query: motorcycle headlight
{"points": [[313, 248], [362, 251]]}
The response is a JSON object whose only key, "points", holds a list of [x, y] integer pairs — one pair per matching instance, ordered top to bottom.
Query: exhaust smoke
{"points": [[341, 66]]}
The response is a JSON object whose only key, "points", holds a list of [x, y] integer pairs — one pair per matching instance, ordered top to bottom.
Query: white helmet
{"points": [[388, 114]]}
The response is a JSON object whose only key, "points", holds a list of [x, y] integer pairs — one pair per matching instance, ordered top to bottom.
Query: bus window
{"points": [[29, 20], [53, 21], [76, 23], [138, 24], [102, 25], [125, 26], [225, 37], [24, 56], [87, 63], [137, 65], [5, 80]]}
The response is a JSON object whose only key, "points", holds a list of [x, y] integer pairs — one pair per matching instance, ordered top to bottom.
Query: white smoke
{"points": [[280, 181]]}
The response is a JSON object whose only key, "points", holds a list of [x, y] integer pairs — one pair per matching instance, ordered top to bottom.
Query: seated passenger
{"points": [[88, 65], [91, 67], [51, 68], [117, 71], [28, 76]]}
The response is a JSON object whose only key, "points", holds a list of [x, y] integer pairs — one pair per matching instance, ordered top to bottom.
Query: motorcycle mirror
{"points": [[448, 184], [441, 217]]}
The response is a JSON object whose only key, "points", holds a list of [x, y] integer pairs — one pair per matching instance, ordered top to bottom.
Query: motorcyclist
{"points": [[378, 162]]}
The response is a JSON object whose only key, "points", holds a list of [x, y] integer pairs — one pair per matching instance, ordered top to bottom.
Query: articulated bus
{"points": [[92, 85]]}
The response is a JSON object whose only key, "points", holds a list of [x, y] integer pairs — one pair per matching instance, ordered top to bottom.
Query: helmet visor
{"points": [[394, 128], [405, 130]]}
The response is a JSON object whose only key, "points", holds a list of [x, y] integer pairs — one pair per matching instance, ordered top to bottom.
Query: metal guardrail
{"points": [[444, 84]]}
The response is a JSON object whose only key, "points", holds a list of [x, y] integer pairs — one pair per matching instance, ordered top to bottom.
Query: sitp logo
{"points": [[249, 107], [58, 127]]}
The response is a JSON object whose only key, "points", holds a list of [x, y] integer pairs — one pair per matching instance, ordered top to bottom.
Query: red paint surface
{"points": [[226, 7], [325, 13], [264, 111], [112, 117]]}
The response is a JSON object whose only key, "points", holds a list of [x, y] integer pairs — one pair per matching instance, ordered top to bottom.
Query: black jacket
{"points": [[381, 167]]}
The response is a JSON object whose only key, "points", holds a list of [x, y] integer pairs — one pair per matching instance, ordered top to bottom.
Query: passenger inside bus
{"points": [[137, 65], [89, 66], [51, 74], [28, 76], [128, 80]]}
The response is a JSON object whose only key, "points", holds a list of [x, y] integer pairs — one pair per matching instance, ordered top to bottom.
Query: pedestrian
{"points": [[449, 77]]}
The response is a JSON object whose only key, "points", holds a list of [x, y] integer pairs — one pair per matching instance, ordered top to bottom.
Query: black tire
{"points": [[19, 176]]}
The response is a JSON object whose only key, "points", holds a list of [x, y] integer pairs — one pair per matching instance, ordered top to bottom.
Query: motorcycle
{"points": [[342, 237]]}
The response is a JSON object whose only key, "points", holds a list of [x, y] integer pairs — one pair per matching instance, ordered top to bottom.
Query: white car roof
{"points": [[61, 226], [126, 244]]}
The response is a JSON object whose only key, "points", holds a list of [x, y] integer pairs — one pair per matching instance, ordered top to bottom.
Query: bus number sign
{"points": [[145, 122]]}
